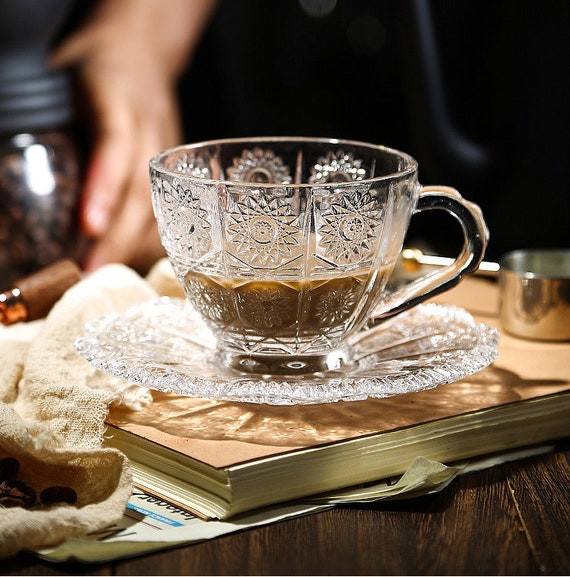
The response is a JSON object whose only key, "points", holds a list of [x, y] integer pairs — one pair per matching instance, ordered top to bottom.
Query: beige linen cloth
{"points": [[53, 405]]}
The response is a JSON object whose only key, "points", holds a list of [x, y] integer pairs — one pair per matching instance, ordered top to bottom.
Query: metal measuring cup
{"points": [[535, 293]]}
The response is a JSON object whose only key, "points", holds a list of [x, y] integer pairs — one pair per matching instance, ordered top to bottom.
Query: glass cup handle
{"points": [[475, 237]]}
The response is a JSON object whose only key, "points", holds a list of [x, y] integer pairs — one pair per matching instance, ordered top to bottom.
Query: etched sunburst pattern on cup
{"points": [[259, 165], [337, 166], [185, 225], [350, 226], [262, 230]]}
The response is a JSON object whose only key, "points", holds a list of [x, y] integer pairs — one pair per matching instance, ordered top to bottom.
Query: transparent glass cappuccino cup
{"points": [[285, 245]]}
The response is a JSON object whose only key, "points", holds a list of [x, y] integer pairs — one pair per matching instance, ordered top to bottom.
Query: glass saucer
{"points": [[164, 345]]}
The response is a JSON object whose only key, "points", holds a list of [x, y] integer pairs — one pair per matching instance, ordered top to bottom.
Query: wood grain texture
{"points": [[541, 492], [513, 519]]}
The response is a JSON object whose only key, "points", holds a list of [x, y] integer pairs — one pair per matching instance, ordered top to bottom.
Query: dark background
{"points": [[477, 91]]}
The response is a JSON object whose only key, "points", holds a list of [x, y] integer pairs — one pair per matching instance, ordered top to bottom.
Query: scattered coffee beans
{"points": [[9, 468], [16, 493], [58, 494]]}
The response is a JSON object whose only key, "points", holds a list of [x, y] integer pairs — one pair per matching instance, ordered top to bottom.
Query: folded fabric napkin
{"points": [[53, 406]]}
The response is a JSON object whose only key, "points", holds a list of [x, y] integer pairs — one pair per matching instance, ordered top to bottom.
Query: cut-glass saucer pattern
{"points": [[164, 345]]}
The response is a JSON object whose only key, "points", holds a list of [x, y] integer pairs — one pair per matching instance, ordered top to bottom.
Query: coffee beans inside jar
{"points": [[39, 198]]}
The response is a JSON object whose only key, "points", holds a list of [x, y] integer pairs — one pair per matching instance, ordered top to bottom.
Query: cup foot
{"points": [[286, 365]]}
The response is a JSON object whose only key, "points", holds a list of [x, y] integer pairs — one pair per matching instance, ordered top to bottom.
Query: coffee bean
{"points": [[9, 467], [15, 493], [58, 494]]}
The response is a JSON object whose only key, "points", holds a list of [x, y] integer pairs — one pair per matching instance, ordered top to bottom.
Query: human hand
{"points": [[127, 57]]}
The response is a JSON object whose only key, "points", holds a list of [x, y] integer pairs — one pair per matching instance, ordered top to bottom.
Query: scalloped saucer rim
{"points": [[152, 344]]}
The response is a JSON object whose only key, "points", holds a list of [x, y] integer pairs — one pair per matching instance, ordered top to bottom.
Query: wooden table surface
{"points": [[513, 519]]}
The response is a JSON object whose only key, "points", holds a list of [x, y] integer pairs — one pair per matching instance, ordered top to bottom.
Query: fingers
{"points": [[71, 50], [108, 174], [117, 212], [128, 222], [132, 237]]}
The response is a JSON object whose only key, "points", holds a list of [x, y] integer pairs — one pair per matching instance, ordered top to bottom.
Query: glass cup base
{"points": [[338, 360]]}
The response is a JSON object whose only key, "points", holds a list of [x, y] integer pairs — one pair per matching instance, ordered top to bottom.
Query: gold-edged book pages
{"points": [[230, 442]]}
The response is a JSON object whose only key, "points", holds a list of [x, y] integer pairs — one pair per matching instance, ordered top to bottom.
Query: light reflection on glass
{"points": [[38, 172]]}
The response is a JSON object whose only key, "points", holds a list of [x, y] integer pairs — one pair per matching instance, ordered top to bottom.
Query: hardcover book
{"points": [[221, 458]]}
